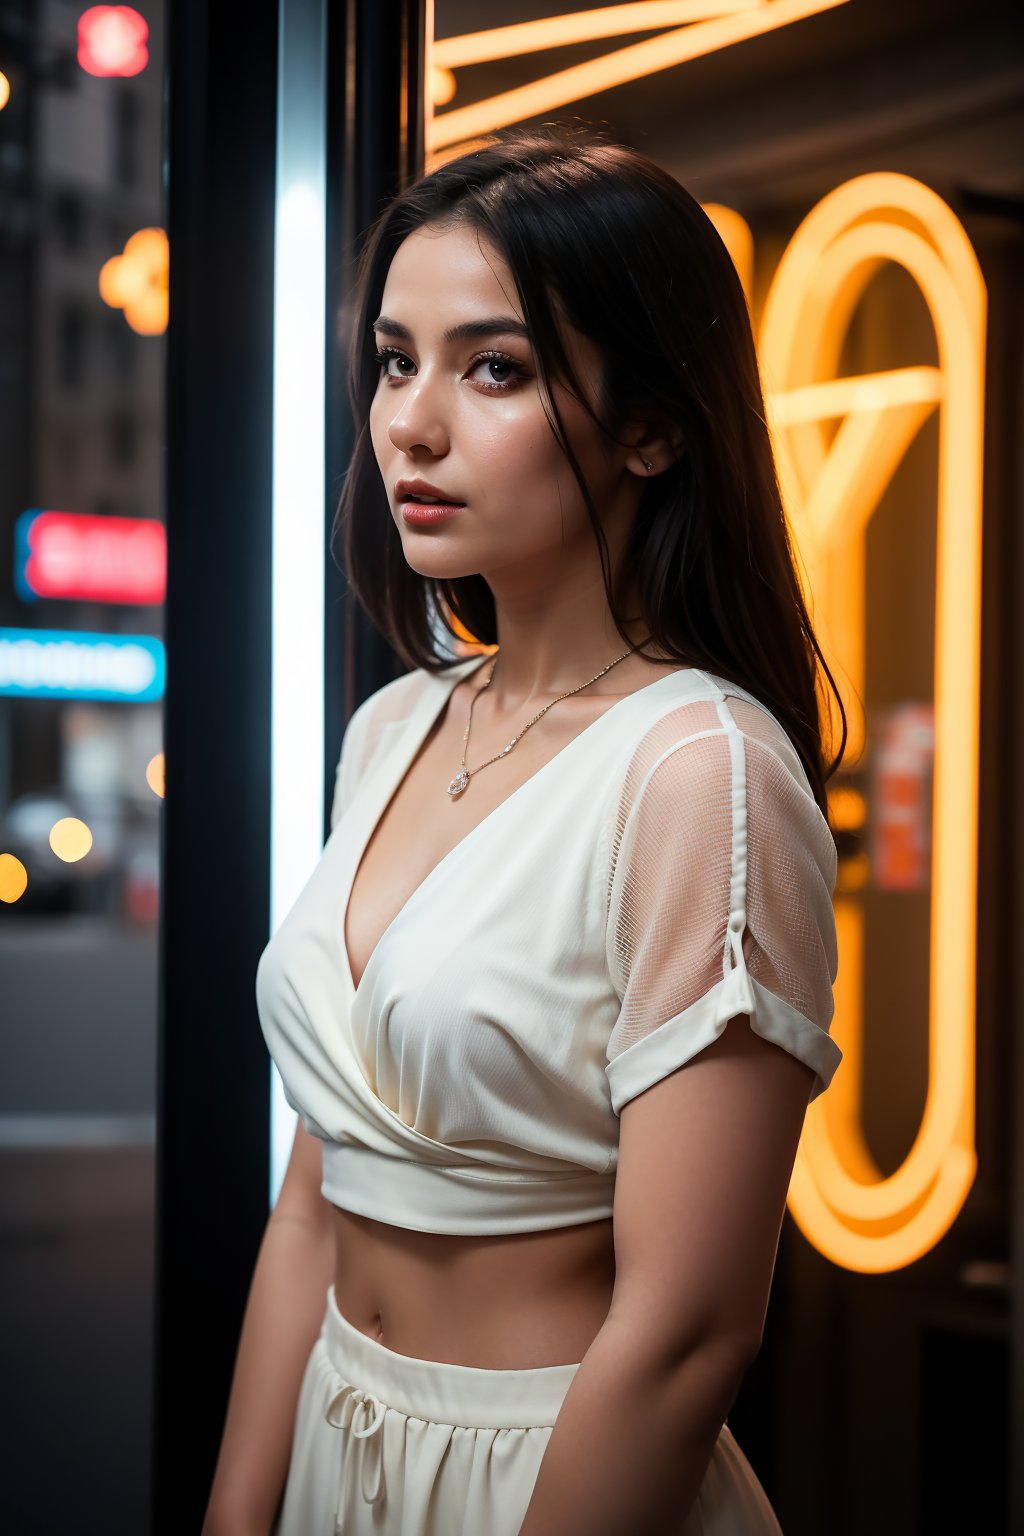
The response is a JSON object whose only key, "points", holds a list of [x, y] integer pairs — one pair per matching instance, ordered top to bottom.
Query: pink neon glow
{"points": [[112, 40], [97, 559]]}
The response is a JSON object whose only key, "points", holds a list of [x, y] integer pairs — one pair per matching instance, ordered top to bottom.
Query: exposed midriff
{"points": [[508, 1302]]}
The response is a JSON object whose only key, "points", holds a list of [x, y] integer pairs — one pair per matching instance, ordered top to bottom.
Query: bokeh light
{"points": [[112, 41], [5, 90], [137, 281], [155, 774], [70, 839], [13, 878]]}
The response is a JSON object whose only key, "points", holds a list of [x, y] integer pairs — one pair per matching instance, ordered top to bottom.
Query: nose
{"points": [[419, 421]]}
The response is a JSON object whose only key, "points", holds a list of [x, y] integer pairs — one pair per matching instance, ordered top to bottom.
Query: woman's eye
{"points": [[384, 356], [508, 371], [501, 372]]}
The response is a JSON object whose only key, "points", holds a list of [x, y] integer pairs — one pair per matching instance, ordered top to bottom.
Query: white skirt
{"points": [[391, 1445]]}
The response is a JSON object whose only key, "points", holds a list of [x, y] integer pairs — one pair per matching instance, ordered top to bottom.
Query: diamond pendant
{"points": [[458, 784]]}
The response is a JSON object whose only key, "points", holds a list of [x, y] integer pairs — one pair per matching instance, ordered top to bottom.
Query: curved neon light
{"points": [[832, 484]]}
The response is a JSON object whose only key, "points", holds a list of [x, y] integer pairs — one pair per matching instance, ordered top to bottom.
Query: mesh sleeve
{"points": [[720, 901]]}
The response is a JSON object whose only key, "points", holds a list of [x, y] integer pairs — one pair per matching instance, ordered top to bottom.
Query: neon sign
{"points": [[698, 27], [832, 483], [91, 559], [75, 664]]}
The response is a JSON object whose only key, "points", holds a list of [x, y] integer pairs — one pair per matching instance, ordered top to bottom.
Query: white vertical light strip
{"points": [[297, 597]]}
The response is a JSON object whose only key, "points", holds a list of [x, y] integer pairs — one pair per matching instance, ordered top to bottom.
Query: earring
{"points": [[647, 464]]}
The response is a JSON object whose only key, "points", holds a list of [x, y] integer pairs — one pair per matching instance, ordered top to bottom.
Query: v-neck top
{"points": [[665, 871]]}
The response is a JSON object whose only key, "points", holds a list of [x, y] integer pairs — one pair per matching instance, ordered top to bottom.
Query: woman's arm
{"points": [[705, 1160], [282, 1318]]}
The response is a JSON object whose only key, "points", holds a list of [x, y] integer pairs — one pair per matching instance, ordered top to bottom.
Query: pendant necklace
{"points": [[462, 778]]}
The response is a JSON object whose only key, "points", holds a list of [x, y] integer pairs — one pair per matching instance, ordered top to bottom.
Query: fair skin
{"points": [[662, 1304]]}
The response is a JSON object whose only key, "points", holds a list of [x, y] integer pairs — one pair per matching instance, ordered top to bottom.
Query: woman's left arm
{"points": [[705, 1159]]}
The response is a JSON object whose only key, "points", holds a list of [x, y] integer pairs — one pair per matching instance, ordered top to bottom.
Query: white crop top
{"points": [[667, 869]]}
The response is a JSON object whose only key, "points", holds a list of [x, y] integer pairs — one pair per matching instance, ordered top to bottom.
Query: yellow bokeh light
{"points": [[5, 96], [137, 282], [155, 774], [847, 807], [70, 839], [853, 874], [13, 878]]}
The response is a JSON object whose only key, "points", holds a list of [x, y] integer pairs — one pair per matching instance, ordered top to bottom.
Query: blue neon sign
{"points": [[79, 664]]}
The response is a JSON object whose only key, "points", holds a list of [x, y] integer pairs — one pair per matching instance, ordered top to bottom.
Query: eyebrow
{"points": [[470, 330]]}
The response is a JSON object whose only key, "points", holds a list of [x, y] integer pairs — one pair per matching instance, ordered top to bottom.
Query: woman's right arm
{"points": [[286, 1304]]}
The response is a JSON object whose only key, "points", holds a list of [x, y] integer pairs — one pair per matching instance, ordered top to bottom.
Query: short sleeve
{"points": [[720, 899]]}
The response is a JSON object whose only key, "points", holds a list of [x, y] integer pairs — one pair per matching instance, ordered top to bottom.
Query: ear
{"points": [[653, 447]]}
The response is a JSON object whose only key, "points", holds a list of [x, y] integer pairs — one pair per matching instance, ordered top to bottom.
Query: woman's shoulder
{"points": [[396, 699], [393, 700], [378, 719], [695, 724], [373, 727]]}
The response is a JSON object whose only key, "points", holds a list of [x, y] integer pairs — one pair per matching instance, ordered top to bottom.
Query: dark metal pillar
{"points": [[213, 1089]]}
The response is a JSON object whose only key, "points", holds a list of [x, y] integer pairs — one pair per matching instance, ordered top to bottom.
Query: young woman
{"points": [[555, 999]]}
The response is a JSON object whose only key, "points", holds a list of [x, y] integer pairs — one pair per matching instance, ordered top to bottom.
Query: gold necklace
{"points": [[461, 779]]}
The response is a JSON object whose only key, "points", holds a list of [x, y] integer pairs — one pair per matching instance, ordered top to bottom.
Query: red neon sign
{"points": [[112, 40], [94, 559]]}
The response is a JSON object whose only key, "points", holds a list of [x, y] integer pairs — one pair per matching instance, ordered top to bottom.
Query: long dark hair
{"points": [[635, 264]]}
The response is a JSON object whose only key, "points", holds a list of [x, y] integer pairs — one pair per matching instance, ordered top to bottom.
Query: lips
{"points": [[423, 492]]}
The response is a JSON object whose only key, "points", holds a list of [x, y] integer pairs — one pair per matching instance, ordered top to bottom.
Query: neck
{"points": [[546, 650]]}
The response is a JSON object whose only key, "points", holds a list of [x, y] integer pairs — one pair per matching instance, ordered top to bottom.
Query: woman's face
{"points": [[463, 412]]}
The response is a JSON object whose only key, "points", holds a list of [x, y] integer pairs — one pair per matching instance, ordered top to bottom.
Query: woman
{"points": [[555, 999]]}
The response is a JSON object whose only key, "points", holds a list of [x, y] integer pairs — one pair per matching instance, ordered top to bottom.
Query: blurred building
{"points": [[81, 440]]}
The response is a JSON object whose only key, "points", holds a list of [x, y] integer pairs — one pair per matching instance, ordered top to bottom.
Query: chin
{"points": [[438, 564]]}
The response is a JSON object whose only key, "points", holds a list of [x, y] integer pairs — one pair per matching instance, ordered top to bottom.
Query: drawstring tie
{"points": [[348, 1403]]}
